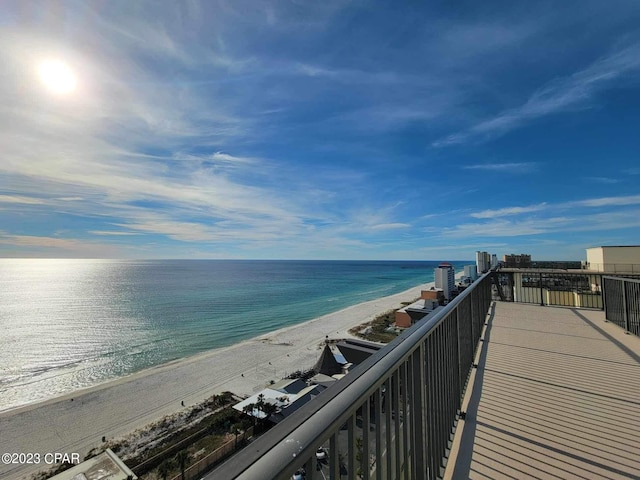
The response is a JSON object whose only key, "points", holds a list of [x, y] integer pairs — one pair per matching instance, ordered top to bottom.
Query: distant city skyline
{"points": [[318, 130]]}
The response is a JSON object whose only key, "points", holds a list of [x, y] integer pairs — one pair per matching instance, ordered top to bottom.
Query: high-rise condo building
{"points": [[517, 261], [483, 262], [471, 271], [445, 279]]}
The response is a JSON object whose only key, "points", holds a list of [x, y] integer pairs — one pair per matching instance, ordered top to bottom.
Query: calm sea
{"points": [[70, 324]]}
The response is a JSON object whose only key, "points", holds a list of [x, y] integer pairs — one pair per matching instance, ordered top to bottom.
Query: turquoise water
{"points": [[70, 324]]}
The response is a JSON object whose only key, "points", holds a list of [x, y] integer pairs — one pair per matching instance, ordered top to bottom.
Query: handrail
{"points": [[613, 268], [293, 442]]}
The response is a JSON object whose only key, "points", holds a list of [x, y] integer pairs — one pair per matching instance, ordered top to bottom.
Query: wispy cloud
{"points": [[559, 95], [517, 168], [602, 180], [20, 199], [607, 201], [619, 201], [509, 211], [583, 222], [389, 226], [112, 233], [59, 247]]}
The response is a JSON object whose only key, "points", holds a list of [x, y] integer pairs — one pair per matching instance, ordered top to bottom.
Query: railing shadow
{"points": [[609, 337], [465, 454]]}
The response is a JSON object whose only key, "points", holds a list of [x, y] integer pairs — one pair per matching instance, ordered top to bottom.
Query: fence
{"points": [[633, 268], [548, 287], [622, 302], [391, 418], [196, 469]]}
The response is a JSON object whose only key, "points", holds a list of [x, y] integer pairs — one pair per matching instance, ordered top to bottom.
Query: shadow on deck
{"points": [[556, 395]]}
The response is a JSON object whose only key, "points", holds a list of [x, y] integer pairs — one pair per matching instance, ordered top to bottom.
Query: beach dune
{"points": [[77, 422]]}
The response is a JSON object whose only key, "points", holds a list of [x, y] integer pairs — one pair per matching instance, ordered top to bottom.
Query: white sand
{"points": [[77, 422]]}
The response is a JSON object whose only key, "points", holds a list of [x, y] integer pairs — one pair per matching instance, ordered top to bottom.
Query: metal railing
{"points": [[613, 267], [549, 287], [622, 302], [391, 418]]}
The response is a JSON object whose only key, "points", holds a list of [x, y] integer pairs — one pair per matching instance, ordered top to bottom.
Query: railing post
{"points": [[541, 292], [602, 294], [625, 307], [418, 413]]}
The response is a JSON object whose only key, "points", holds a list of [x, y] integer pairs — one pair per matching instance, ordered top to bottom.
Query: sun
{"points": [[57, 76]]}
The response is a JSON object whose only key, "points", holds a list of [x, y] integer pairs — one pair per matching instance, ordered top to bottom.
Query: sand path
{"points": [[76, 423]]}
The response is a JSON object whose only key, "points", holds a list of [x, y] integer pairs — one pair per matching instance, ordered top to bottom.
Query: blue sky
{"points": [[329, 130]]}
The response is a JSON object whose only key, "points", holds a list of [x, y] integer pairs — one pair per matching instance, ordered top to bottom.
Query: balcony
{"points": [[477, 390], [556, 395]]}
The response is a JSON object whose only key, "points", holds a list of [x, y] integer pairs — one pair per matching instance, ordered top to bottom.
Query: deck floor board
{"points": [[556, 395]]}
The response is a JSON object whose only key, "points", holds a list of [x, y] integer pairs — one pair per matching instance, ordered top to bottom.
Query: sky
{"points": [[318, 130]]}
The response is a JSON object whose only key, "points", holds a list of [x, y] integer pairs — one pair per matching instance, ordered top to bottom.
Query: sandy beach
{"points": [[76, 423]]}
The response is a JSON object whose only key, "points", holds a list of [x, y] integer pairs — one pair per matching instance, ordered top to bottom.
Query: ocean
{"points": [[71, 324]]}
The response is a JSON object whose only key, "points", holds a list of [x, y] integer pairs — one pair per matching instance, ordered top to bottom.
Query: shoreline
{"points": [[77, 421]]}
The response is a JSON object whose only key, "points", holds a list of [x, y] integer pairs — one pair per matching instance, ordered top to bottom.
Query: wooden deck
{"points": [[556, 395]]}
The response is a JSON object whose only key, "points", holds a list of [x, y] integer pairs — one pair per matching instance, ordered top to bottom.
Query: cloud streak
{"points": [[559, 95], [515, 167], [509, 211]]}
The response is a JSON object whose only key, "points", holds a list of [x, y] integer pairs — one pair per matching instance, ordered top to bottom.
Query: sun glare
{"points": [[57, 77]]}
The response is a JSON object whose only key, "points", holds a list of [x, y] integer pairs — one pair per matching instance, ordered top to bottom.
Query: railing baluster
{"points": [[417, 412], [405, 419], [396, 423], [378, 425], [351, 441], [334, 456], [365, 462], [310, 466]]}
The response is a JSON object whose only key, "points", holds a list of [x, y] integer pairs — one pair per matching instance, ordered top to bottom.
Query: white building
{"points": [[614, 259], [494, 261], [483, 262], [471, 271], [445, 279], [286, 396], [105, 466]]}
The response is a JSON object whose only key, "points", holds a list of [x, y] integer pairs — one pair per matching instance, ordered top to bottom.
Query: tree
{"points": [[248, 410], [182, 458], [164, 469]]}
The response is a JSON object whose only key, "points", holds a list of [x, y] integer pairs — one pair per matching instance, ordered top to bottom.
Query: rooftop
{"points": [[106, 466]]}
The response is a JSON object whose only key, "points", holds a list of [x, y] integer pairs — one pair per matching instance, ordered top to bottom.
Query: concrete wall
{"points": [[595, 256], [614, 259], [436, 295], [403, 319]]}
